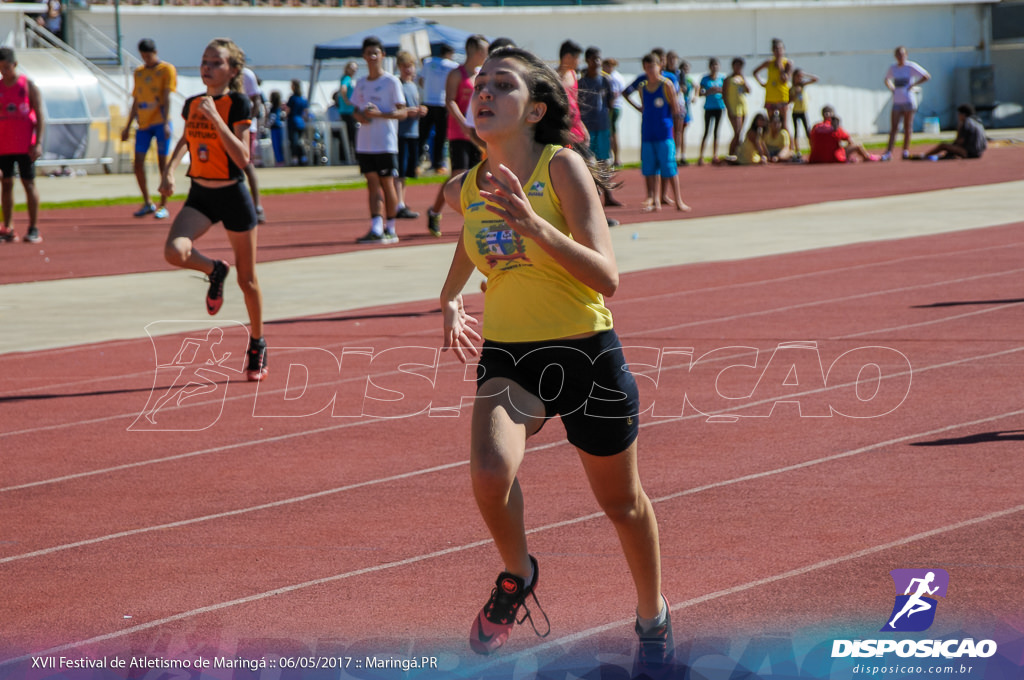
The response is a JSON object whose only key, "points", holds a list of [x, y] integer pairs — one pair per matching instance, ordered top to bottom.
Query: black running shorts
{"points": [[381, 164], [26, 168], [231, 205], [586, 381]]}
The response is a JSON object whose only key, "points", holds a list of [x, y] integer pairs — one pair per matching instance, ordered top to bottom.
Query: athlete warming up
{"points": [[217, 140], [533, 224]]}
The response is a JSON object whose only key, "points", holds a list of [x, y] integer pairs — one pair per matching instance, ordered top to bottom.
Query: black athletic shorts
{"points": [[382, 164], [26, 168], [231, 205], [586, 381]]}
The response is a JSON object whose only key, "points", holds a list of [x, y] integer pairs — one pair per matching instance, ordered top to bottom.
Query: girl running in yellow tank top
{"points": [[535, 227]]}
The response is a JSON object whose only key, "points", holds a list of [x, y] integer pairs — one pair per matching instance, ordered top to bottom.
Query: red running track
{"points": [[345, 535]]}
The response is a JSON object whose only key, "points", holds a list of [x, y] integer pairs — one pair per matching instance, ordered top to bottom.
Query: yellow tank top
{"points": [[776, 91], [747, 154], [530, 296]]}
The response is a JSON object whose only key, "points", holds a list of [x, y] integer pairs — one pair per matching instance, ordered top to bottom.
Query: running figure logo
{"points": [[193, 371], [914, 609]]}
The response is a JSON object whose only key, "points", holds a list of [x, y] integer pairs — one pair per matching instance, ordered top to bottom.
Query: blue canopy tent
{"points": [[391, 36]]}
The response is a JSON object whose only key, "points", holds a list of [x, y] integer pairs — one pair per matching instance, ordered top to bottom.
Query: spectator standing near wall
{"points": [[53, 18], [611, 67], [568, 71], [673, 71], [801, 79], [901, 79], [155, 80], [433, 80], [776, 85], [711, 87], [251, 88], [687, 95], [735, 96], [595, 103], [380, 104], [297, 109], [345, 109], [275, 122], [408, 132], [657, 139], [21, 144], [463, 151]]}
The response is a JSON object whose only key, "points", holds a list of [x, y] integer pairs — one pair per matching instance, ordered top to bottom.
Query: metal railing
{"points": [[44, 38], [117, 87]]}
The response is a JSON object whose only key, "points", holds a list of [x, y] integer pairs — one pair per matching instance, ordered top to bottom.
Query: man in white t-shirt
{"points": [[901, 78], [432, 80], [251, 87], [379, 105]]}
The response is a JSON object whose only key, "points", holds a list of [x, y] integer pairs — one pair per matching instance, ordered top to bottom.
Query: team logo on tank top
{"points": [[502, 246]]}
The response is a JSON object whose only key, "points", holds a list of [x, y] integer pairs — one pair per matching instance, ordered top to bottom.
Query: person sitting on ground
{"points": [[970, 139], [777, 142], [830, 143], [752, 150]]}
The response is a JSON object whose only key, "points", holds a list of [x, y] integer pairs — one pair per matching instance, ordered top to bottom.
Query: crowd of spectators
{"points": [[665, 94], [668, 99], [772, 134]]}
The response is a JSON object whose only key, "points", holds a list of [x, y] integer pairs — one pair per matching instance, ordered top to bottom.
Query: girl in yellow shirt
{"points": [[534, 225]]}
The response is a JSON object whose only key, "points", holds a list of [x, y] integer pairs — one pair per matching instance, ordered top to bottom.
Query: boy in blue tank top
{"points": [[657, 135]]}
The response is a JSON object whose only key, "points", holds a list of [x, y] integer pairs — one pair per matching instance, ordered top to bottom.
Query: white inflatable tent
{"points": [[78, 128]]}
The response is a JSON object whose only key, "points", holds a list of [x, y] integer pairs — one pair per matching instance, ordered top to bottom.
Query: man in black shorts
{"points": [[379, 105], [21, 144]]}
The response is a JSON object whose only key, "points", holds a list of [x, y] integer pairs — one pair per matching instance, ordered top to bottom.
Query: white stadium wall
{"points": [[848, 45]]}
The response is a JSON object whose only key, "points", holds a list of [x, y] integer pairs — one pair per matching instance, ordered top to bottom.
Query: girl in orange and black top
{"points": [[217, 139]]}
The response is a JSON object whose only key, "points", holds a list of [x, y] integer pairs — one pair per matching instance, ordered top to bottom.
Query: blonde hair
{"points": [[404, 58], [236, 59]]}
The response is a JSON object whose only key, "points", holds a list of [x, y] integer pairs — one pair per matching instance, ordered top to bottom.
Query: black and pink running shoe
{"points": [[215, 295], [256, 369], [494, 623]]}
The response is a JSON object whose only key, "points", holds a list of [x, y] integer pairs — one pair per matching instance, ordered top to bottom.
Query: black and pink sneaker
{"points": [[215, 295], [256, 369], [494, 623]]}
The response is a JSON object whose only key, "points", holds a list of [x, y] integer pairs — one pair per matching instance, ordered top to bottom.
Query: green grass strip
{"points": [[269, 191]]}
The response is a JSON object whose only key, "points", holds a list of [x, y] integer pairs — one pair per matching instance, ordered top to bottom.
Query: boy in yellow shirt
{"points": [[151, 99]]}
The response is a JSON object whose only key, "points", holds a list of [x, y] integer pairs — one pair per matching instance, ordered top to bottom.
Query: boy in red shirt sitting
{"points": [[830, 143]]}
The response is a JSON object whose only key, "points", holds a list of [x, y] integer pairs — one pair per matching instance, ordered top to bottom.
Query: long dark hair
{"points": [[555, 127]]}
